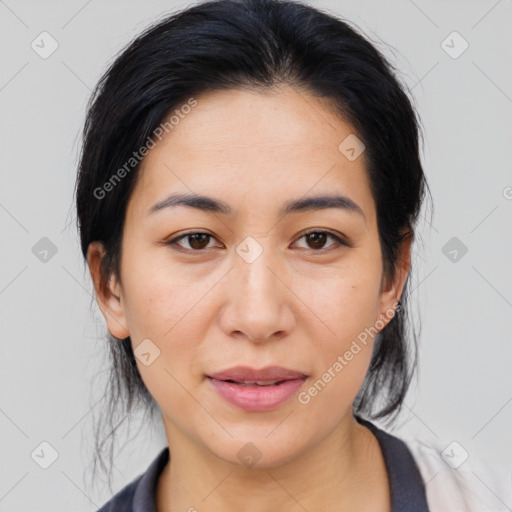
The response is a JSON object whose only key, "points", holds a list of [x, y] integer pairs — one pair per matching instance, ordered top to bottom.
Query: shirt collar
{"points": [[407, 486], [145, 494]]}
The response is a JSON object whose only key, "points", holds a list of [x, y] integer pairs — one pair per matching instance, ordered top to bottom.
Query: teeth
{"points": [[258, 382]]}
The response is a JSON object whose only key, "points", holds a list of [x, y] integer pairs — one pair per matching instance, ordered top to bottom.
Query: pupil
{"points": [[196, 238], [320, 238]]}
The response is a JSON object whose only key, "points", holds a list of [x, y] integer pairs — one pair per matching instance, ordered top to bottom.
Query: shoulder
{"points": [[457, 481], [139, 494], [122, 501]]}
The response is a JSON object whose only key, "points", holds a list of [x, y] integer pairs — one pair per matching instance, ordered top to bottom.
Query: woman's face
{"points": [[256, 291]]}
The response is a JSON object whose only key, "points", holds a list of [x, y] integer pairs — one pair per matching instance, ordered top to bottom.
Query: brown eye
{"points": [[317, 239], [197, 241]]}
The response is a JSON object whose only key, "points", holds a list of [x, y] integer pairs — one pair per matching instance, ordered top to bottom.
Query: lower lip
{"points": [[257, 398]]}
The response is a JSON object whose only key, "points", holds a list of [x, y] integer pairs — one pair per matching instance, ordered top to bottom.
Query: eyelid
{"points": [[175, 240], [340, 241]]}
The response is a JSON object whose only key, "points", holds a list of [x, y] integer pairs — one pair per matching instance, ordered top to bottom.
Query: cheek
{"points": [[159, 296], [346, 302], [349, 306], [168, 308], [170, 317], [342, 359]]}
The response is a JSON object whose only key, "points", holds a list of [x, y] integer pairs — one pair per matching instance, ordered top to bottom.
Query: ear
{"points": [[391, 289], [108, 292]]}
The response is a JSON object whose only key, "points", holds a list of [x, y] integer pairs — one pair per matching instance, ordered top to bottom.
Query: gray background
{"points": [[52, 340]]}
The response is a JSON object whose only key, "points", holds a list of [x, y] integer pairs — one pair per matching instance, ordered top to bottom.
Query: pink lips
{"points": [[245, 393]]}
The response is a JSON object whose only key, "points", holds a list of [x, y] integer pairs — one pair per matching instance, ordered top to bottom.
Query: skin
{"points": [[300, 304]]}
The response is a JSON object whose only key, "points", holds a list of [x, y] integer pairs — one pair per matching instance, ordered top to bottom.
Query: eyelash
{"points": [[339, 242]]}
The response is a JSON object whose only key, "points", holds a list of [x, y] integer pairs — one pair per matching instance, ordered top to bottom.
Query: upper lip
{"points": [[245, 373]]}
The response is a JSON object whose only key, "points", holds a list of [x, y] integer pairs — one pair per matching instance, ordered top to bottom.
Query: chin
{"points": [[260, 452]]}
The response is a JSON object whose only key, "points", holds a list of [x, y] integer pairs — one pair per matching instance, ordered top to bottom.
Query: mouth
{"points": [[246, 374], [252, 383], [257, 390]]}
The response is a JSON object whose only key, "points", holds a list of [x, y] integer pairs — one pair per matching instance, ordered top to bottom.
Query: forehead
{"points": [[266, 146]]}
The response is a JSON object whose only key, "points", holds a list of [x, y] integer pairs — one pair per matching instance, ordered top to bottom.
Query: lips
{"points": [[267, 376], [257, 390]]}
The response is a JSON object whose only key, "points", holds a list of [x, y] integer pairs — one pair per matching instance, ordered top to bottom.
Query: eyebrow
{"points": [[209, 204]]}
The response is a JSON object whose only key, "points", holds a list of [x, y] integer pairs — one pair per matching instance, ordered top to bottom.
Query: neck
{"points": [[346, 470]]}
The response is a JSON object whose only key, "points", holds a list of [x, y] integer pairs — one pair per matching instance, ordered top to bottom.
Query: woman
{"points": [[247, 196]]}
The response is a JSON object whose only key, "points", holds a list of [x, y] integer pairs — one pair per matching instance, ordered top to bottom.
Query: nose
{"points": [[258, 304]]}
